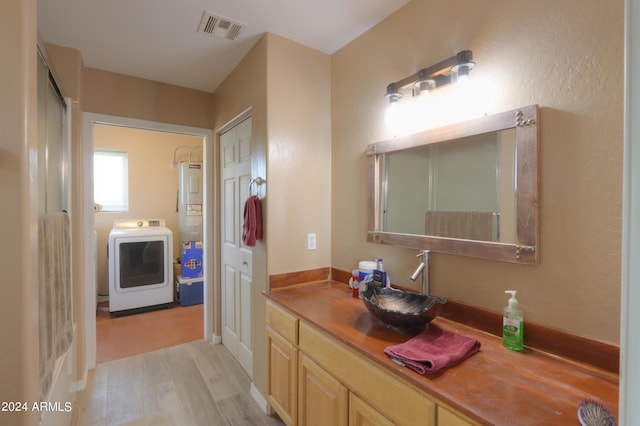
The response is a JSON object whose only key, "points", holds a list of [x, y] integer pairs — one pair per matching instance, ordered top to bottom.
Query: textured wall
{"points": [[566, 56], [67, 67], [287, 87], [246, 88], [109, 93], [299, 155], [19, 378]]}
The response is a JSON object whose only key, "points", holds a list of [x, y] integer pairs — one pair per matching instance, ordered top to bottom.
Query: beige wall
{"points": [[565, 56], [67, 67], [287, 87], [246, 88], [108, 93], [113, 94], [125, 96], [299, 156], [152, 182], [18, 210]]}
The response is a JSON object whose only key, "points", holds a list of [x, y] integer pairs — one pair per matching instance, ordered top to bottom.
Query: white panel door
{"points": [[235, 170]]}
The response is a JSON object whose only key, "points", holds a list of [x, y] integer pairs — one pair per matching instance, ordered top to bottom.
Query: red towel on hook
{"points": [[252, 227], [433, 350]]}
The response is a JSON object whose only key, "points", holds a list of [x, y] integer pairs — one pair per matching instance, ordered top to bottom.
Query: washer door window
{"points": [[142, 263]]}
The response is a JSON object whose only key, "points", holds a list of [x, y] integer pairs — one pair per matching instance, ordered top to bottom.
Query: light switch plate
{"points": [[311, 241]]}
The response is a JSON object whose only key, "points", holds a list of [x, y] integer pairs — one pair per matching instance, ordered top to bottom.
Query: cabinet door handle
{"points": [[244, 263]]}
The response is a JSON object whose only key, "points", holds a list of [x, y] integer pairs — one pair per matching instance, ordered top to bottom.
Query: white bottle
{"points": [[513, 324]]}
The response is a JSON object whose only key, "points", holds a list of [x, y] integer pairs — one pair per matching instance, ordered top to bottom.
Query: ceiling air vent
{"points": [[219, 26]]}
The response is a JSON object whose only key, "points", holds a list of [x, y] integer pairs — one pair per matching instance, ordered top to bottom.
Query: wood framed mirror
{"points": [[469, 189]]}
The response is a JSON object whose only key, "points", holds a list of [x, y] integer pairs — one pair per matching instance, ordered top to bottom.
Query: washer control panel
{"points": [[139, 224]]}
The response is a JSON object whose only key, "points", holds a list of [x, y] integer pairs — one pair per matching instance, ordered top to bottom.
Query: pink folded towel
{"points": [[252, 227], [433, 350]]}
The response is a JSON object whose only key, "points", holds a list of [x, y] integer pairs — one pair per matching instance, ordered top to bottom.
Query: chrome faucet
{"points": [[423, 268]]}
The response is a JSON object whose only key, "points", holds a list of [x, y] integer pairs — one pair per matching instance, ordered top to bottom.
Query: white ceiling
{"points": [[157, 39]]}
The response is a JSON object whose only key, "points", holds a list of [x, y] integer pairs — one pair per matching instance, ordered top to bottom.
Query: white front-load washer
{"points": [[140, 266]]}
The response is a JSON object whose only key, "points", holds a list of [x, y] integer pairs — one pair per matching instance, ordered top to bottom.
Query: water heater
{"points": [[190, 197]]}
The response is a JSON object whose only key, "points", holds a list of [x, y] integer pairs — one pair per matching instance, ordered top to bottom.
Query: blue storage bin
{"points": [[190, 291]]}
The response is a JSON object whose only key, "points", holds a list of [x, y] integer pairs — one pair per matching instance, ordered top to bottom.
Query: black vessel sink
{"points": [[402, 309]]}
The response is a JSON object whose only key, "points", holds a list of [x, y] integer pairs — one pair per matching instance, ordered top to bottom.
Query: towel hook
{"points": [[258, 181]]}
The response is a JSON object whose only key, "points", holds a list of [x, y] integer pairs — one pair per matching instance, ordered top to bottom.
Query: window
{"points": [[110, 180]]}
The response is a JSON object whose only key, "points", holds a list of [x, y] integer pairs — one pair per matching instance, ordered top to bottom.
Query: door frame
{"points": [[89, 120], [628, 409]]}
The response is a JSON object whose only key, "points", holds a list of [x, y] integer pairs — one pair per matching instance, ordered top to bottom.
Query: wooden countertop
{"points": [[495, 386]]}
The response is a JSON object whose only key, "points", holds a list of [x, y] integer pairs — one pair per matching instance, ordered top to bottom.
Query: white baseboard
{"points": [[216, 339], [79, 385], [60, 397], [261, 401]]}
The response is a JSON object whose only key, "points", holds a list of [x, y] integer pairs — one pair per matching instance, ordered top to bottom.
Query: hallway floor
{"points": [[135, 334], [196, 383]]}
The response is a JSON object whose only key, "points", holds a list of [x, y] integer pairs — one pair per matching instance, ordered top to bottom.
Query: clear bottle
{"points": [[513, 324]]}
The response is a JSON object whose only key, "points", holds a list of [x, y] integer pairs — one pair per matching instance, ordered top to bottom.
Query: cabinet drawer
{"points": [[283, 322], [398, 401], [362, 414], [449, 417]]}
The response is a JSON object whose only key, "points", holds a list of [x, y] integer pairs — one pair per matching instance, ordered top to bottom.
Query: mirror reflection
{"points": [[462, 188], [469, 189]]}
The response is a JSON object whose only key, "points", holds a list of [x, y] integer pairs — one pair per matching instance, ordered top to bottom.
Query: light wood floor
{"points": [[196, 383]]}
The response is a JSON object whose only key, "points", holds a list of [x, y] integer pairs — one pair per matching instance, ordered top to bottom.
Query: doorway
{"points": [[90, 120]]}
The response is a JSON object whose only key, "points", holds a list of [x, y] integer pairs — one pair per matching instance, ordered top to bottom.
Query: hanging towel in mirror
{"points": [[481, 226], [252, 227], [433, 350]]}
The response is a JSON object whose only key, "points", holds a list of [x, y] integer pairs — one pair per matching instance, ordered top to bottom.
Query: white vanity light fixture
{"points": [[451, 70]]}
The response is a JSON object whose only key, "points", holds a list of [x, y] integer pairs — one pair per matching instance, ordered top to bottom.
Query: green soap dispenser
{"points": [[513, 324]]}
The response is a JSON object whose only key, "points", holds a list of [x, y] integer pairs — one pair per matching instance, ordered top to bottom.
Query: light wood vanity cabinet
{"points": [[282, 362], [312, 379], [322, 400], [396, 400], [362, 414], [448, 417]]}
